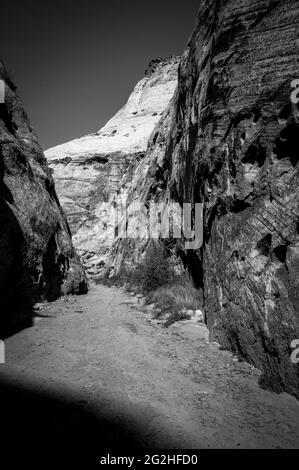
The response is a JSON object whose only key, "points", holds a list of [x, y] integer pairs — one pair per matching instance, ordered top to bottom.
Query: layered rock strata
{"points": [[231, 140], [96, 169], [37, 258]]}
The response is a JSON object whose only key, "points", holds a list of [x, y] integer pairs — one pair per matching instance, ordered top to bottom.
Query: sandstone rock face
{"points": [[230, 139], [239, 154], [97, 168], [38, 260]]}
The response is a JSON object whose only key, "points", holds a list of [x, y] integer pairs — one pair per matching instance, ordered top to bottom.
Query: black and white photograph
{"points": [[149, 232]]}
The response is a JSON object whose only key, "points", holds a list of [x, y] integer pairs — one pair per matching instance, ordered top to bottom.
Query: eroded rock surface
{"points": [[230, 140], [239, 153], [97, 168], [37, 258]]}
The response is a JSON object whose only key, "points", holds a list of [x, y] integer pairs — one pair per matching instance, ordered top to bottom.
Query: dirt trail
{"points": [[96, 372]]}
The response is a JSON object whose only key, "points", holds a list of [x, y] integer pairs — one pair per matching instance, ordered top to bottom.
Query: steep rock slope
{"points": [[231, 140], [240, 152], [97, 168], [37, 258]]}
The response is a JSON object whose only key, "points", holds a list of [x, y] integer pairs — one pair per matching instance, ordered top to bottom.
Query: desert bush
{"points": [[154, 269], [156, 277], [180, 294]]}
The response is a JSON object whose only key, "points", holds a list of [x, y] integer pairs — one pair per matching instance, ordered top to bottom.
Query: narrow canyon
{"points": [[218, 126], [227, 137]]}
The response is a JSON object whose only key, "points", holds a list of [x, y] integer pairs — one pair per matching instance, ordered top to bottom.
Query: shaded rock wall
{"points": [[230, 140], [239, 153], [37, 258]]}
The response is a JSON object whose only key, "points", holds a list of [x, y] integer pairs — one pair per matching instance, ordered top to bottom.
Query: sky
{"points": [[75, 63]]}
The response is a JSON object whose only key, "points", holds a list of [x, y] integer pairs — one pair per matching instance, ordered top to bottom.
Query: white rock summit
{"points": [[97, 167]]}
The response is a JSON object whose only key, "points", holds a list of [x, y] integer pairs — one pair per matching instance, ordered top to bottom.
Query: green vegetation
{"points": [[155, 278]]}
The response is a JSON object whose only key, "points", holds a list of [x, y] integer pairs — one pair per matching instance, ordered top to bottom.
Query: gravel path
{"points": [[95, 373]]}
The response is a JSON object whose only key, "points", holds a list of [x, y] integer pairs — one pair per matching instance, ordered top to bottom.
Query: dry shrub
{"points": [[180, 294]]}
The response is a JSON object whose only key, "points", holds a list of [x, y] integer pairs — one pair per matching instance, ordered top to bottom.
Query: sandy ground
{"points": [[95, 373]]}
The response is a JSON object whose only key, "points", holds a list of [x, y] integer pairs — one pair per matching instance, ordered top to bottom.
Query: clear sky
{"points": [[75, 63]]}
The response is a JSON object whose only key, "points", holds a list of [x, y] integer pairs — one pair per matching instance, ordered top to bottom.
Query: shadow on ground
{"points": [[50, 424]]}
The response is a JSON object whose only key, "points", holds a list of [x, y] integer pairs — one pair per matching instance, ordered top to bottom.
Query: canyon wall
{"points": [[230, 139], [235, 144], [97, 168], [37, 258]]}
